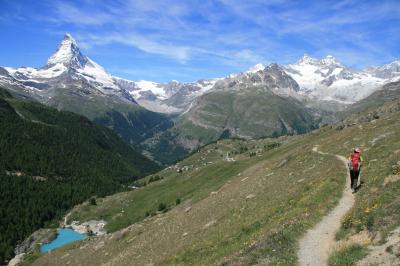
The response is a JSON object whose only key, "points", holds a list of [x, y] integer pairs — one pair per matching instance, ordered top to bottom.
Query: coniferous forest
{"points": [[52, 160]]}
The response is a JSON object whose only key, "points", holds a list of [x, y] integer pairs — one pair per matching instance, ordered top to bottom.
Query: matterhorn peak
{"points": [[68, 38], [68, 54]]}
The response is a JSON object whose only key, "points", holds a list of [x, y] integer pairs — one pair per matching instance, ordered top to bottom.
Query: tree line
{"points": [[52, 160]]}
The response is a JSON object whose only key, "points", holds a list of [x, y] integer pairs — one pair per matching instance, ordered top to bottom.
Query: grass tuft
{"points": [[348, 256]]}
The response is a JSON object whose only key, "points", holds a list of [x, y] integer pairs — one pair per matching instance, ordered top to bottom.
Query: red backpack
{"points": [[355, 161]]}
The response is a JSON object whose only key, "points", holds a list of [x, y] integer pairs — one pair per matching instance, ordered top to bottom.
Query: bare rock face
{"points": [[4, 72], [272, 77]]}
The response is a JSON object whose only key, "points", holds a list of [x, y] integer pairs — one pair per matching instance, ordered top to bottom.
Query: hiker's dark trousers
{"points": [[354, 178]]}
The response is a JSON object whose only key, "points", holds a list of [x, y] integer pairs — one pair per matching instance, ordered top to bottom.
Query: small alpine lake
{"points": [[64, 237]]}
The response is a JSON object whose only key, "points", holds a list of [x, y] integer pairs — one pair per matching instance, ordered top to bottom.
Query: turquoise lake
{"points": [[64, 236]]}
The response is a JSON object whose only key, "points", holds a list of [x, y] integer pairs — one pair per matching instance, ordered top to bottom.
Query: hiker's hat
{"points": [[357, 150]]}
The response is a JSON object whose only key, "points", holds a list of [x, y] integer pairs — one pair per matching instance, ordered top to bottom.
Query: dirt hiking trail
{"points": [[317, 243]]}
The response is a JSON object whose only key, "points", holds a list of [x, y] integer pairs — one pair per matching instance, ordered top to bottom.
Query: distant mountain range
{"points": [[325, 79], [319, 80], [167, 120]]}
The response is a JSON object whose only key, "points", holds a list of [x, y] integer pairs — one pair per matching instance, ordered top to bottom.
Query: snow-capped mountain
{"points": [[68, 54], [67, 67], [388, 71], [272, 77], [317, 79], [321, 80], [329, 80], [71, 81], [148, 94], [171, 97], [176, 97]]}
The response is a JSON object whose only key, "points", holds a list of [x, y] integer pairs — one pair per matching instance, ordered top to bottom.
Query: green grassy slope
{"points": [[253, 113], [51, 161], [195, 183], [377, 207], [247, 210], [253, 210]]}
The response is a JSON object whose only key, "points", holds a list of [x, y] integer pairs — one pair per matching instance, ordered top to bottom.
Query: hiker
{"points": [[355, 162]]}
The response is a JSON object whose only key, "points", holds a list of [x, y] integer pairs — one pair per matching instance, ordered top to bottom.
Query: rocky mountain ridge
{"points": [[314, 79]]}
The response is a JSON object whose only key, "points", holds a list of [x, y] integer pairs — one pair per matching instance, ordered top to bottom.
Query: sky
{"points": [[190, 40]]}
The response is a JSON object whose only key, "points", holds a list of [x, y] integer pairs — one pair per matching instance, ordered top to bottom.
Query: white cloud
{"points": [[72, 14], [233, 31], [181, 53], [248, 56]]}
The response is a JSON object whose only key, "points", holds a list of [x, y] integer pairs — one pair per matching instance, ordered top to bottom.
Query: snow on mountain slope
{"points": [[68, 54], [66, 68], [256, 68], [252, 70], [388, 71], [37, 73], [95, 73], [311, 73], [329, 80], [155, 88], [349, 91], [148, 94], [171, 97]]}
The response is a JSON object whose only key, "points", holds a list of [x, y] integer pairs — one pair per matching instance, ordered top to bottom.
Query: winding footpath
{"points": [[316, 245]]}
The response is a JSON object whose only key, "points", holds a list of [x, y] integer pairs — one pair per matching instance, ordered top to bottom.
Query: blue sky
{"points": [[189, 40]]}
